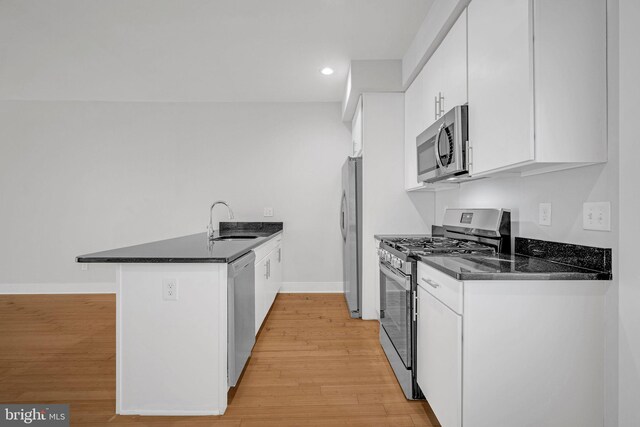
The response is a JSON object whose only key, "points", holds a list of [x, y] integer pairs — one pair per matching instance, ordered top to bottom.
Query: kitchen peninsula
{"points": [[175, 316]]}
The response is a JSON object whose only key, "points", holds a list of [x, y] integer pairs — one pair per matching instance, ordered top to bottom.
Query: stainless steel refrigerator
{"points": [[351, 226]]}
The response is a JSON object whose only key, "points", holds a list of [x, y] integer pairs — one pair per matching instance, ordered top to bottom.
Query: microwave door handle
{"points": [[437, 145]]}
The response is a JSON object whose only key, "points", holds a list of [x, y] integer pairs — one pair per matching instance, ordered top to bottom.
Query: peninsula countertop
{"points": [[194, 248]]}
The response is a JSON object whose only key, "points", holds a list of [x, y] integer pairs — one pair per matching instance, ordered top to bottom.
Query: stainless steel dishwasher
{"points": [[241, 296]]}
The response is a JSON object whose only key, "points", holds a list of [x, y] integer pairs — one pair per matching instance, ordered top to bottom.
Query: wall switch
{"points": [[268, 211], [544, 214], [596, 216], [84, 266], [169, 289]]}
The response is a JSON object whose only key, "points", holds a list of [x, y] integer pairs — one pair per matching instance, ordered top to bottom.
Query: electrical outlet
{"points": [[268, 211], [544, 214], [596, 216], [84, 266], [169, 289]]}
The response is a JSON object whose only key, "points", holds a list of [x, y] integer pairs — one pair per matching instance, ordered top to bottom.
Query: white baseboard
{"points": [[58, 288], [110, 288], [311, 288]]}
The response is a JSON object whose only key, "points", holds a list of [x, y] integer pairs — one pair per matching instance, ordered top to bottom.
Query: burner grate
{"points": [[422, 246]]}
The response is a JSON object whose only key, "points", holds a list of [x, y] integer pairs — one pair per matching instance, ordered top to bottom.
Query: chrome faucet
{"points": [[210, 229]]}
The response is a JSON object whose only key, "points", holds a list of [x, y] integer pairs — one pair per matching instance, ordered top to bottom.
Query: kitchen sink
{"points": [[232, 238]]}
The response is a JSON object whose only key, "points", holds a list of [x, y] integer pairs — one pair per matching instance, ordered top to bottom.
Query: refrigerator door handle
{"points": [[343, 218]]}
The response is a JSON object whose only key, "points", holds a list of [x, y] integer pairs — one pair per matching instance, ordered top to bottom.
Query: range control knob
{"points": [[396, 262]]}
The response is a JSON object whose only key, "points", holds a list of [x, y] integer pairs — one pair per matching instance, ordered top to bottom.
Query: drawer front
{"points": [[267, 247], [445, 288]]}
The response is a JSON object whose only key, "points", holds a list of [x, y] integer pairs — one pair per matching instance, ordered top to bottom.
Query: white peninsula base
{"points": [[171, 355]]}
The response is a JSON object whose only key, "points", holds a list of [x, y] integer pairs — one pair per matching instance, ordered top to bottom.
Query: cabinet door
{"points": [[451, 67], [500, 84], [419, 110], [414, 123], [356, 130], [276, 269], [274, 279], [261, 286], [439, 358]]}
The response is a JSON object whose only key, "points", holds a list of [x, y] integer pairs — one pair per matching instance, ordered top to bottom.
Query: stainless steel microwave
{"points": [[442, 149]]}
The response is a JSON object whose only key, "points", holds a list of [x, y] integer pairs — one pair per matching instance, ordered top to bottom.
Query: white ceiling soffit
{"points": [[195, 50]]}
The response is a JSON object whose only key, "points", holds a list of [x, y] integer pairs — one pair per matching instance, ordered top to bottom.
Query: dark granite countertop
{"points": [[436, 231], [395, 236], [194, 248], [533, 260], [509, 267]]}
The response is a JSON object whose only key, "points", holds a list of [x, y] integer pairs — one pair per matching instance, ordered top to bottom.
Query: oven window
{"points": [[427, 157], [395, 316]]}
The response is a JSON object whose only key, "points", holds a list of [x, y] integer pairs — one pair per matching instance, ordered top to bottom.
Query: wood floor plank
{"points": [[313, 365]]}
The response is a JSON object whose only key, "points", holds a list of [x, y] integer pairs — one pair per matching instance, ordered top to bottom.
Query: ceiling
{"points": [[195, 50]]}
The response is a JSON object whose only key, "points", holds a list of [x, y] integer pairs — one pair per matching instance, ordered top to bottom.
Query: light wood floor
{"points": [[312, 365]]}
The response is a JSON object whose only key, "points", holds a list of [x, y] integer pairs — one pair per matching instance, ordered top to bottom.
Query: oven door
{"points": [[395, 311]]}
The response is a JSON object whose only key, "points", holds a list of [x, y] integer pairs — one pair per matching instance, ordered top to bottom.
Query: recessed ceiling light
{"points": [[327, 71]]}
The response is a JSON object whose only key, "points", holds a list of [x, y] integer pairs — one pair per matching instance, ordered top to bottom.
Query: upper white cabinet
{"points": [[446, 78], [537, 85], [440, 86], [356, 130]]}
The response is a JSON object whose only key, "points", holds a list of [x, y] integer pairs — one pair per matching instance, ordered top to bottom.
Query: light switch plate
{"points": [[268, 211], [544, 214], [596, 216]]}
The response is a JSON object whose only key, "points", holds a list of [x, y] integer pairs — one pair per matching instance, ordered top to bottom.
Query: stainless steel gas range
{"points": [[466, 231]]}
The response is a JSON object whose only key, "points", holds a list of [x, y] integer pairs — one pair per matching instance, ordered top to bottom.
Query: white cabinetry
{"points": [[446, 79], [537, 85], [440, 86], [356, 130], [275, 272], [268, 277], [261, 291], [440, 349], [511, 353]]}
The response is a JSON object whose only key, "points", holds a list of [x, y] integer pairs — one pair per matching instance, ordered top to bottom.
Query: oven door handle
{"points": [[404, 281]]}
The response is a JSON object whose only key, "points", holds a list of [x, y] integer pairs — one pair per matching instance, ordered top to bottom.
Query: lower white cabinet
{"points": [[268, 277], [274, 278], [440, 349], [511, 352]]}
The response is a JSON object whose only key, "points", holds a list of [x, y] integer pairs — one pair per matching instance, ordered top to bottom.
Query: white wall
{"points": [[79, 177], [566, 191], [387, 208], [629, 309]]}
